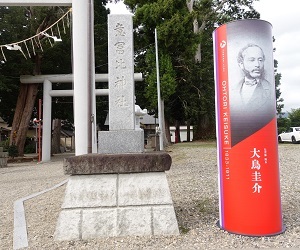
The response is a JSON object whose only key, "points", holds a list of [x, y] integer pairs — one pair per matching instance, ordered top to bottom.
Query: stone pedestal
{"points": [[3, 158], [116, 204]]}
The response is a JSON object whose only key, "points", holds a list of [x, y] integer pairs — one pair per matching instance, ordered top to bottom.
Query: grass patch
{"points": [[204, 206], [184, 230]]}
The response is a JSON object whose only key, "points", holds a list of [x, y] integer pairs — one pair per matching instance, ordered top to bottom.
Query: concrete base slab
{"points": [[111, 205]]}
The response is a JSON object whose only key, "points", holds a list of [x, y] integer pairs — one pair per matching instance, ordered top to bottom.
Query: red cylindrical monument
{"points": [[249, 188]]}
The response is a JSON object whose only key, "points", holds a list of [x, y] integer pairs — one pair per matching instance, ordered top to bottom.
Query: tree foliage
{"points": [[19, 23], [14, 27], [184, 36], [167, 78], [279, 100], [294, 117], [293, 120], [283, 124]]}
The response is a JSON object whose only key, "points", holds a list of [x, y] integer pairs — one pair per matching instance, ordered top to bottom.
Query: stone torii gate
{"points": [[83, 67], [48, 93]]}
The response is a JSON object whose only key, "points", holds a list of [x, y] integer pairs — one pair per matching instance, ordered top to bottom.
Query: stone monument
{"points": [[122, 136], [122, 190]]}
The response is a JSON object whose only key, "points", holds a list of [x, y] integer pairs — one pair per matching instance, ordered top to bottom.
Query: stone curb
{"points": [[20, 239]]}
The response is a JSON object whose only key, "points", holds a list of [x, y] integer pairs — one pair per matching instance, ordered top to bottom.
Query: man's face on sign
{"points": [[253, 62]]}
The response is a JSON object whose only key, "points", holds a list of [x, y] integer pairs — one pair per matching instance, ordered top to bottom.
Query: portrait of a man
{"points": [[255, 90], [252, 101]]}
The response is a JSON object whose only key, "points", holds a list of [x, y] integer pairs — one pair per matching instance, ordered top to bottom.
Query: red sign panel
{"points": [[249, 188]]}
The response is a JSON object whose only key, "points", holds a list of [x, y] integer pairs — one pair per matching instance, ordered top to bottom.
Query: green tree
{"points": [[206, 12], [18, 23], [13, 28], [184, 34], [167, 78], [279, 100], [294, 117], [283, 124], [13, 151]]}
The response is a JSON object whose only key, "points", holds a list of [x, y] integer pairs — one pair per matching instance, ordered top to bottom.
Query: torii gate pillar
{"points": [[83, 68], [84, 77]]}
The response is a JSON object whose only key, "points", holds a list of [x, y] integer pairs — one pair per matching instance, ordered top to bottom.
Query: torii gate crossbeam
{"points": [[83, 59]]}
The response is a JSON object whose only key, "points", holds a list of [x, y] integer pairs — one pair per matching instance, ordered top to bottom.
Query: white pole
{"points": [[81, 63], [93, 84], [47, 106], [160, 122], [92, 133]]}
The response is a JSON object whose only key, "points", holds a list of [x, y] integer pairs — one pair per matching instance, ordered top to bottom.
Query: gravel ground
{"points": [[193, 184]]}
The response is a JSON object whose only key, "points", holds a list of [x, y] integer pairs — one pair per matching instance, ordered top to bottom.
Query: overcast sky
{"points": [[285, 19]]}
